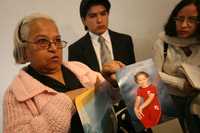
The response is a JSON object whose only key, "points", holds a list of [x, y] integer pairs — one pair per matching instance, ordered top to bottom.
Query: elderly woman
{"points": [[34, 101]]}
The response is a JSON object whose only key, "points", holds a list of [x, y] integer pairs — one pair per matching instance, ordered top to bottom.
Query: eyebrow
{"points": [[92, 13], [44, 36]]}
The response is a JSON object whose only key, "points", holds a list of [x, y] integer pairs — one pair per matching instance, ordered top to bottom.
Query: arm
{"points": [[158, 58], [88, 77], [138, 101], [147, 101], [55, 116]]}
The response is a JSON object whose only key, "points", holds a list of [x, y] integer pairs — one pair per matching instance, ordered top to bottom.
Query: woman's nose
{"points": [[99, 18], [185, 23], [52, 46]]}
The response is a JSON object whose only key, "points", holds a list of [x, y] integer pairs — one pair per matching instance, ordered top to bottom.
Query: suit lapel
{"points": [[114, 41], [90, 54]]}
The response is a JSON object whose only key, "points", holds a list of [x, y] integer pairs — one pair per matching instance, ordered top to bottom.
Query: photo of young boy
{"points": [[145, 95], [146, 107]]}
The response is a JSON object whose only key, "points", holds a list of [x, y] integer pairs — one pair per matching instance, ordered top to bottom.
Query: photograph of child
{"points": [[145, 95], [146, 107]]}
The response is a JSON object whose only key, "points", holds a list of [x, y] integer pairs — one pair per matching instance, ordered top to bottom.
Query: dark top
{"points": [[72, 83]]}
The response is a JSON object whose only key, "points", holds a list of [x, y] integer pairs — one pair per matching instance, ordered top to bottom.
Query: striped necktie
{"points": [[105, 53]]}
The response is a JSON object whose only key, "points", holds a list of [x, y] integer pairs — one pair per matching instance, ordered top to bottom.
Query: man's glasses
{"points": [[189, 20], [46, 44]]}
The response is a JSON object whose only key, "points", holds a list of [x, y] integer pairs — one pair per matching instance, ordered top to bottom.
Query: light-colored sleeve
{"points": [[158, 57], [85, 75], [88, 78], [55, 116]]}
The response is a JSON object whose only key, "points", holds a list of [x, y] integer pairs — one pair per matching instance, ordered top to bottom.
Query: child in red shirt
{"points": [[147, 107]]}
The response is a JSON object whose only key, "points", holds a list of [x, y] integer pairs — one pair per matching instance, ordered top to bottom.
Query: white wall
{"points": [[142, 19]]}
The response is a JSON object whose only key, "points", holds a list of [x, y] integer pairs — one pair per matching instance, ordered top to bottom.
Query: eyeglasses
{"points": [[189, 20], [46, 44]]}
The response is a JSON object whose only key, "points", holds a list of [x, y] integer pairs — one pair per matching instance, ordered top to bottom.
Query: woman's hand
{"points": [[109, 70], [187, 87]]}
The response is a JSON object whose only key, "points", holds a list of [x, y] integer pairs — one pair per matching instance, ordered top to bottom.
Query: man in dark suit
{"points": [[94, 15]]}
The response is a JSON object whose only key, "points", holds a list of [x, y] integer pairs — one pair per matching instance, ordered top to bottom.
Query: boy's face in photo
{"points": [[96, 19], [142, 80]]}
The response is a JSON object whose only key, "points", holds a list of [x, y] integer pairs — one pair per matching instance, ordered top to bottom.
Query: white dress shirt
{"points": [[96, 45]]}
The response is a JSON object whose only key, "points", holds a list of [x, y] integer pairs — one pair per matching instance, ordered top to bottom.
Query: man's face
{"points": [[96, 19]]}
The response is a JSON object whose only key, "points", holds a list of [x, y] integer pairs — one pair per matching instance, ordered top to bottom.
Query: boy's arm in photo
{"points": [[138, 113]]}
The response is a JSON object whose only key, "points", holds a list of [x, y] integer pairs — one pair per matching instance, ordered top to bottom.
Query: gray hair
{"points": [[21, 35]]}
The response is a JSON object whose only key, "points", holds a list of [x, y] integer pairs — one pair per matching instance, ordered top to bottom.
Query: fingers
{"points": [[120, 64], [112, 66], [109, 70], [98, 83], [100, 86], [139, 113]]}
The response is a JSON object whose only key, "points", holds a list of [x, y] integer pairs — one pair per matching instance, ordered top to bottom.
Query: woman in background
{"points": [[180, 43]]}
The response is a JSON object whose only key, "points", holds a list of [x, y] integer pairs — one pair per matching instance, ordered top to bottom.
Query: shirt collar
{"points": [[95, 37], [25, 87]]}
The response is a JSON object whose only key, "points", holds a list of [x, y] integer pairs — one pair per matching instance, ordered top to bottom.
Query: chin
{"points": [[101, 31], [184, 36], [54, 67]]}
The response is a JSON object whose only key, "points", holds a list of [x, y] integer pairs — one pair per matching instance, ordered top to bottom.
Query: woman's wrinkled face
{"points": [[186, 21], [45, 60]]}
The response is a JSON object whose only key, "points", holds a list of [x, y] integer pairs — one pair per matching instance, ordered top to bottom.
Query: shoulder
{"points": [[119, 35], [80, 42], [159, 43], [17, 81], [15, 85], [152, 88], [139, 91], [8, 96]]}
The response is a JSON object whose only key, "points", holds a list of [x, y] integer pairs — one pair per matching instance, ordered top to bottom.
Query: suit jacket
{"points": [[83, 51]]}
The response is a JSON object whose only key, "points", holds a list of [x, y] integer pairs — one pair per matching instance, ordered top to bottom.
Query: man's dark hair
{"points": [[86, 4], [170, 26]]}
